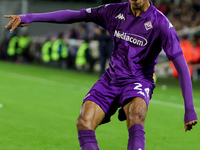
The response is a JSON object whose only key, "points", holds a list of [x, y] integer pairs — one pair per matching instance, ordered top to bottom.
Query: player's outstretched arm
{"points": [[62, 16], [100, 16], [15, 22], [190, 118]]}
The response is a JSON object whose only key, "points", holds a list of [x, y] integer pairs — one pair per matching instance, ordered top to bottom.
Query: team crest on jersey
{"points": [[148, 25]]}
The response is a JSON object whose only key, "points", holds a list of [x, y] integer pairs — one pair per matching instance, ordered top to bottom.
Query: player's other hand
{"points": [[14, 23], [189, 125]]}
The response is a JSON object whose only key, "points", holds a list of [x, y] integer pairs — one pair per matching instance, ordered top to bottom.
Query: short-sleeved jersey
{"points": [[137, 40]]}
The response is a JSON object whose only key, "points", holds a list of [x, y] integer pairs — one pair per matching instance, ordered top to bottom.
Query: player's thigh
{"points": [[135, 111], [91, 115]]}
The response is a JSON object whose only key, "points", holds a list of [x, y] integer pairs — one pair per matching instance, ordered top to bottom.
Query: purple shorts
{"points": [[110, 96]]}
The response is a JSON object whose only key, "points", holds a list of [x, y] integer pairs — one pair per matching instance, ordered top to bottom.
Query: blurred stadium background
{"points": [[41, 96]]}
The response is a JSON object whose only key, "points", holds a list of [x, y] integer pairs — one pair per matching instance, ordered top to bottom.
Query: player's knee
{"points": [[136, 113], [137, 117], [83, 124]]}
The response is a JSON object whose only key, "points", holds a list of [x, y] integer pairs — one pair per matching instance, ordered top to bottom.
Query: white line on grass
{"points": [[44, 81], [85, 88], [169, 104]]}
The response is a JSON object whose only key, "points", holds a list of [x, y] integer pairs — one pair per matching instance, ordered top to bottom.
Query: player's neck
{"points": [[138, 11]]}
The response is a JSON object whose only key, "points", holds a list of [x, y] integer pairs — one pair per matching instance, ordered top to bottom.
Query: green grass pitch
{"points": [[41, 105]]}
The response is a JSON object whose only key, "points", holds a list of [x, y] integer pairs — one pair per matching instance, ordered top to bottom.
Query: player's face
{"points": [[138, 4]]}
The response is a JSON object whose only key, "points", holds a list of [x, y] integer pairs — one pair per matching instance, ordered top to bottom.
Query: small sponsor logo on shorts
{"points": [[87, 96]]}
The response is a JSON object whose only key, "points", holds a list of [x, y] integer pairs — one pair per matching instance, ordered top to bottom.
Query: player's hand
{"points": [[14, 23], [189, 125]]}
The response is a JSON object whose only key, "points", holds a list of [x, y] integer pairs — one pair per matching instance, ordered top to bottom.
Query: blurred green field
{"points": [[41, 105]]}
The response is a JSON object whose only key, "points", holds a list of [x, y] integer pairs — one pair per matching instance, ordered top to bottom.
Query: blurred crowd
{"points": [[184, 15], [61, 49], [66, 50], [191, 52]]}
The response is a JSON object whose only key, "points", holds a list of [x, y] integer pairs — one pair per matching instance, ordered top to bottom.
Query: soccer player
{"points": [[139, 32]]}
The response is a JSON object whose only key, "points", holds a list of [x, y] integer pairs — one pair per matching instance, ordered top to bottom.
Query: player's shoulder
{"points": [[114, 7], [161, 20]]}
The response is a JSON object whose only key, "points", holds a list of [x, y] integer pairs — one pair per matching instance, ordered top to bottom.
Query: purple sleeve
{"points": [[99, 15], [62, 16], [169, 39], [186, 86]]}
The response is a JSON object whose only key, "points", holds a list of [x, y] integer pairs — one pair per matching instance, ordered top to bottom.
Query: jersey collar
{"points": [[143, 15]]}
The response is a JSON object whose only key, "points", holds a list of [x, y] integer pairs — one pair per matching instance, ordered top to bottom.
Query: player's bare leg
{"points": [[136, 113], [90, 117]]}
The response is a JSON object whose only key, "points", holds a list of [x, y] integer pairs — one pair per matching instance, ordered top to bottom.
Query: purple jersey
{"points": [[137, 40], [137, 43]]}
